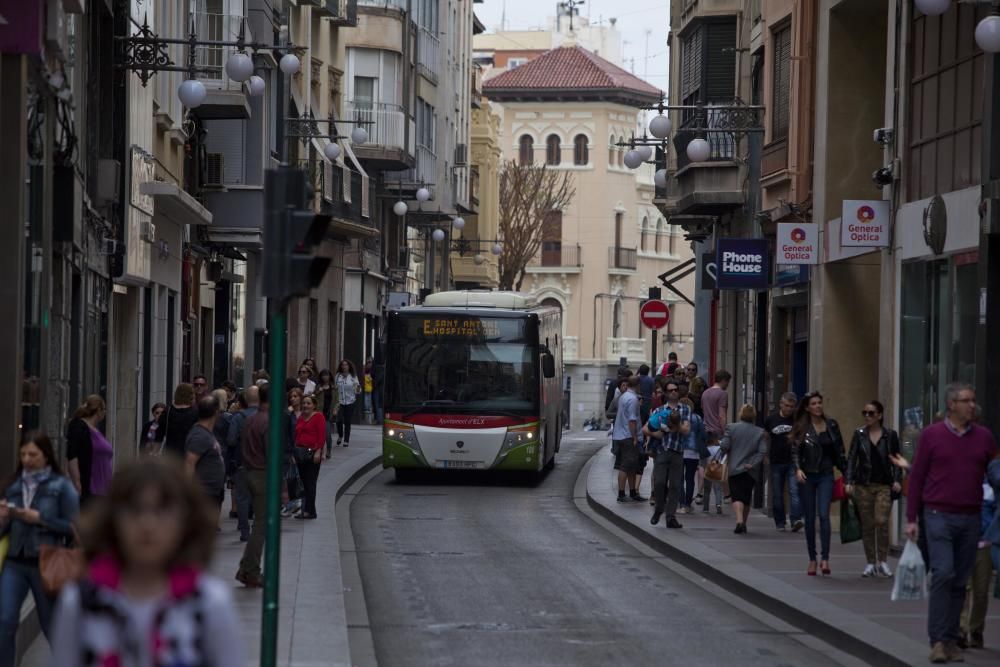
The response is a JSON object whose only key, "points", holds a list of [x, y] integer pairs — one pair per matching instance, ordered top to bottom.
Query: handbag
{"points": [[303, 454], [717, 469], [839, 493], [850, 524], [4, 547], [59, 565]]}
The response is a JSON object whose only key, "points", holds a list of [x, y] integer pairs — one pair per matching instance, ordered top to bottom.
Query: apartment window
{"points": [[515, 62], [708, 62], [782, 81], [364, 92], [946, 92], [426, 125], [526, 150], [553, 150], [580, 151], [619, 223], [643, 233], [659, 235], [552, 239], [616, 319]]}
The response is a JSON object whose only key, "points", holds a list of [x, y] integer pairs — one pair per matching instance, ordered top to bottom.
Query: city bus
{"points": [[473, 381]]}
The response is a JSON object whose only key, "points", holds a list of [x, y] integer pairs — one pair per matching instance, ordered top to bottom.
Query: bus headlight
{"points": [[401, 433], [519, 435]]}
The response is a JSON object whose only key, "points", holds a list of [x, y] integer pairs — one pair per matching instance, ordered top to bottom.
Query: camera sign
{"points": [[865, 223], [797, 243], [742, 263]]}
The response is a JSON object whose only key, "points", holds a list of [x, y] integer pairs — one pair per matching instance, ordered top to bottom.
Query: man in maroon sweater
{"points": [[946, 485]]}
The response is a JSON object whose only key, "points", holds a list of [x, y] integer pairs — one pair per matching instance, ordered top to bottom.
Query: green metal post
{"points": [[275, 452]]}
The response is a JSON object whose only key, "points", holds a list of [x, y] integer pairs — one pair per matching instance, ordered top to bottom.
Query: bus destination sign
{"points": [[461, 328]]}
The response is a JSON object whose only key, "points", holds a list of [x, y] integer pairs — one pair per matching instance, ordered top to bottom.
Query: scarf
{"points": [[31, 482]]}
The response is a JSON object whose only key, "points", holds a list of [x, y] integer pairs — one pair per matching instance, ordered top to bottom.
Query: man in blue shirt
{"points": [[625, 434], [668, 452]]}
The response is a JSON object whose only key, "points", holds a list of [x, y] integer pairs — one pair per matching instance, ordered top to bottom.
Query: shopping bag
{"points": [[839, 492], [850, 524], [911, 575]]}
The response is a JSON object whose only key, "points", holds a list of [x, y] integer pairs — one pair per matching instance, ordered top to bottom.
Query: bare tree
{"points": [[528, 194]]}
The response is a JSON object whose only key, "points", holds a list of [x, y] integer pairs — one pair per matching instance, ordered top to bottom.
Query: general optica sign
{"points": [[865, 223], [797, 243], [742, 263]]}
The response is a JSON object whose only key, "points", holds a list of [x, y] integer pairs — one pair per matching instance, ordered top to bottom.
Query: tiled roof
{"points": [[569, 68]]}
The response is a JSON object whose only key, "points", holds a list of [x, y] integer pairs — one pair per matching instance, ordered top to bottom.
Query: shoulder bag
{"points": [[717, 469], [59, 565]]}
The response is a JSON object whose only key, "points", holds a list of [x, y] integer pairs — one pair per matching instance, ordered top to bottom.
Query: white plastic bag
{"points": [[911, 575]]}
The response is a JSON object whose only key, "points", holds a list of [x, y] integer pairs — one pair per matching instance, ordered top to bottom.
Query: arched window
{"points": [[526, 147], [553, 151], [612, 151], [621, 152], [581, 155], [643, 233], [659, 234], [673, 238]]}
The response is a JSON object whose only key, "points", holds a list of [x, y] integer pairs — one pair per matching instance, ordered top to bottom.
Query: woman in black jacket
{"points": [[817, 447], [872, 479]]}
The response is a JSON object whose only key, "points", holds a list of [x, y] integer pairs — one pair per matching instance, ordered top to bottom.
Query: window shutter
{"points": [[720, 62], [782, 82], [228, 137]]}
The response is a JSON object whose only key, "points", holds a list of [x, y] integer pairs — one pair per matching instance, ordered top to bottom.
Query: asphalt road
{"points": [[493, 571]]}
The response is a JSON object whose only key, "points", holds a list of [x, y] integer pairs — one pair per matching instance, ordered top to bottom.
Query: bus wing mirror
{"points": [[548, 365]]}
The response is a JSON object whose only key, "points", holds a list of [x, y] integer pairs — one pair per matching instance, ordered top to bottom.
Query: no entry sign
{"points": [[654, 314]]}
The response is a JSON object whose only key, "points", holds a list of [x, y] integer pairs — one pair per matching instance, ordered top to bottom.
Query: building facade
{"points": [[574, 111]]}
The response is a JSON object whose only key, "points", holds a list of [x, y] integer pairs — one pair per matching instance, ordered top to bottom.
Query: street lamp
{"points": [[932, 7], [988, 34], [289, 64], [239, 67], [255, 85], [191, 93], [660, 126], [359, 135], [698, 150], [331, 151], [633, 159], [660, 178], [423, 194], [400, 208], [458, 223], [437, 235], [496, 249], [479, 259]]}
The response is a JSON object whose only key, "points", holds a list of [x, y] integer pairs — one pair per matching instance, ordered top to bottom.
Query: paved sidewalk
{"points": [[768, 568], [312, 624]]}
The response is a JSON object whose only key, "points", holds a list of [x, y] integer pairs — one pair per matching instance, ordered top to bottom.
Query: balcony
{"points": [[398, 5], [342, 12], [428, 54], [477, 86], [226, 98], [387, 143], [712, 187], [344, 194], [556, 257], [621, 259], [473, 264], [631, 348]]}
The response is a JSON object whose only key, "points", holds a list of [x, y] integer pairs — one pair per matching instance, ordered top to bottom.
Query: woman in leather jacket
{"points": [[817, 448], [872, 479]]}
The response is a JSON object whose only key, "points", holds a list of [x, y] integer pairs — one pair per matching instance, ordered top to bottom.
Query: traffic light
{"points": [[292, 231]]}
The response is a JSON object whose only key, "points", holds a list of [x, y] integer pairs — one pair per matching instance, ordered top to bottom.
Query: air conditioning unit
{"points": [[461, 155], [215, 168], [147, 231]]}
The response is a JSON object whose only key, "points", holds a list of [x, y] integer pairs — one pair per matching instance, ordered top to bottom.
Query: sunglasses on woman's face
{"points": [[868, 413]]}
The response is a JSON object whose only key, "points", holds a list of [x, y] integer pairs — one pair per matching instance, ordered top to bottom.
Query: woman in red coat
{"points": [[310, 438]]}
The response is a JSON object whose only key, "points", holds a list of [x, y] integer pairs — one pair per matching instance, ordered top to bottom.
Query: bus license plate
{"points": [[466, 465]]}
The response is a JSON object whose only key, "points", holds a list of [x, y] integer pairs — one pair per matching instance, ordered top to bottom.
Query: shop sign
{"points": [[865, 223], [797, 243], [742, 264], [709, 274]]}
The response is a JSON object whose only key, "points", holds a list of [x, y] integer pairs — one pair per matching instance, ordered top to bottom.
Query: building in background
{"points": [[570, 109]]}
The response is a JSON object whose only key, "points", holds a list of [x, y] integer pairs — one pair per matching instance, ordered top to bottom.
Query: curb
{"points": [[829, 623]]}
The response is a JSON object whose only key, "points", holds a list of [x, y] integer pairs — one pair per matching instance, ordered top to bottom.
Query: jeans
{"points": [[368, 406], [344, 416], [690, 468], [309, 473], [782, 475], [668, 477], [256, 481], [711, 488], [817, 492], [242, 494], [951, 543], [17, 578], [977, 597]]}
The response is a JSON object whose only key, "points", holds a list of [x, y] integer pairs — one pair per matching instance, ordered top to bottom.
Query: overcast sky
{"points": [[635, 18]]}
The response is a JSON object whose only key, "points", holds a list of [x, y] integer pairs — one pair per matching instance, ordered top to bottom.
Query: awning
{"points": [[173, 203], [237, 237]]}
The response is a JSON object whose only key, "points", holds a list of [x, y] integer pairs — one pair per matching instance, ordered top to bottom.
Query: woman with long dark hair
{"points": [[348, 389], [326, 402], [817, 448], [89, 455], [872, 479], [37, 507], [146, 598]]}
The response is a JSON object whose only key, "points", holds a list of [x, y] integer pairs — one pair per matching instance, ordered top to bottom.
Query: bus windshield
{"points": [[448, 363]]}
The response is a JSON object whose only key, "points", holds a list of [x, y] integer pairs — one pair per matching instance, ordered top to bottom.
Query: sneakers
{"points": [[622, 498], [637, 498], [687, 509], [718, 509], [655, 519], [673, 523], [798, 525], [780, 528], [740, 529], [883, 569], [869, 571], [248, 581], [953, 652], [938, 654]]}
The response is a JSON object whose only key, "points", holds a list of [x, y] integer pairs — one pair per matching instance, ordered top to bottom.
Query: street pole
{"points": [[652, 364], [275, 450]]}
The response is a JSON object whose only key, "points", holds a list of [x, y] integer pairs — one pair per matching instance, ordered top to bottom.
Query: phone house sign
{"points": [[742, 263]]}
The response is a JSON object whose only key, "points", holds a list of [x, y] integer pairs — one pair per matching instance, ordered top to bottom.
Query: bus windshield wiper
{"points": [[429, 404]]}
